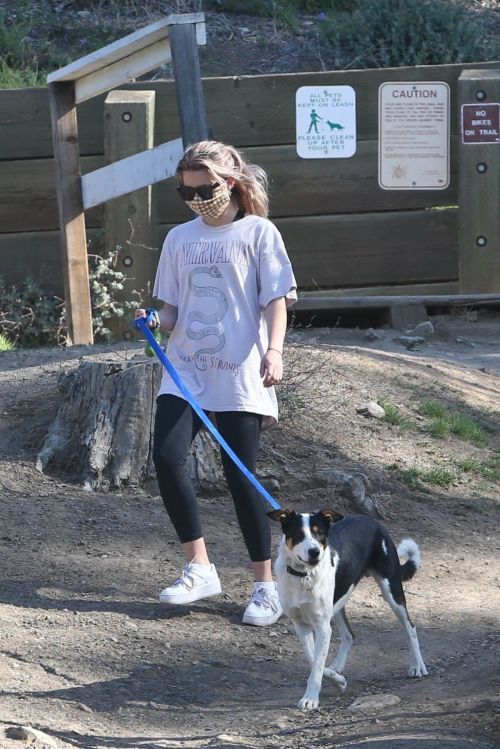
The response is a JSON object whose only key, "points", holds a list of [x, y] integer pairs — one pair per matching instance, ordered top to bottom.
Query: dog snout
{"points": [[313, 554]]}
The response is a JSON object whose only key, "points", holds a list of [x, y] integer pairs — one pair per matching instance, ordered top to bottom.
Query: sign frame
{"points": [[482, 109], [331, 132], [417, 134]]}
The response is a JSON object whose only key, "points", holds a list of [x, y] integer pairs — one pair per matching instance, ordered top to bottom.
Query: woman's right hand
{"points": [[153, 323]]}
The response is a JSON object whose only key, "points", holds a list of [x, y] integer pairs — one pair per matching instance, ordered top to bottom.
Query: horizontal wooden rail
{"points": [[123, 60], [245, 111], [129, 174], [297, 188], [369, 249], [312, 302]]}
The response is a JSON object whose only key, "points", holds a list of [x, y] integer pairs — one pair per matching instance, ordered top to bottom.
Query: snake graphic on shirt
{"points": [[210, 320]]}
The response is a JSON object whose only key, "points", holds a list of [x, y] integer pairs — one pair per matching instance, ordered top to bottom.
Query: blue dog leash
{"points": [[142, 324]]}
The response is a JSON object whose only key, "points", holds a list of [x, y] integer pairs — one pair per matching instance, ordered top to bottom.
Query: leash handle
{"points": [[152, 316], [141, 325]]}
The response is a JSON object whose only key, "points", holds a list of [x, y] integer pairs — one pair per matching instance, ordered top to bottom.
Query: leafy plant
{"points": [[385, 33], [105, 281], [29, 316], [32, 316], [5, 344], [433, 409], [393, 415], [444, 423], [468, 430], [488, 469], [409, 476], [438, 476], [416, 478]]}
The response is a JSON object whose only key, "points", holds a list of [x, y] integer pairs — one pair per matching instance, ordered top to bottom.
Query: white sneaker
{"points": [[196, 582], [264, 608]]}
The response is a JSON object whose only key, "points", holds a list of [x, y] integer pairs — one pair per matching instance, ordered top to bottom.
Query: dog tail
{"points": [[408, 548]]}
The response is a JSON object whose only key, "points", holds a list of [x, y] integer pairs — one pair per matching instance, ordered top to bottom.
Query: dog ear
{"points": [[280, 515], [331, 515]]}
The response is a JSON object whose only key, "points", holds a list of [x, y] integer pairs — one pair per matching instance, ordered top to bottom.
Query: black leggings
{"points": [[176, 426]]}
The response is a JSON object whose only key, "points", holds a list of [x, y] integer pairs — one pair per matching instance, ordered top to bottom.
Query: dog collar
{"points": [[295, 572]]}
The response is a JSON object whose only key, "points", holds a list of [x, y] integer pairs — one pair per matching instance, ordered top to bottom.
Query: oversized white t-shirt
{"points": [[221, 278]]}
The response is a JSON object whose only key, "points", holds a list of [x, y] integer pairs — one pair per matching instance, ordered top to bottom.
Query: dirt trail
{"points": [[89, 658]]}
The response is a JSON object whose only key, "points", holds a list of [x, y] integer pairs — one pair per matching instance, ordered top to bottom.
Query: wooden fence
{"points": [[343, 232]]}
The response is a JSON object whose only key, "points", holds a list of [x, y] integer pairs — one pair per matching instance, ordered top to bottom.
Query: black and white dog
{"points": [[321, 559]]}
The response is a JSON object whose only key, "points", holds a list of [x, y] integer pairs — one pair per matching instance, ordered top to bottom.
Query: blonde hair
{"points": [[223, 162]]}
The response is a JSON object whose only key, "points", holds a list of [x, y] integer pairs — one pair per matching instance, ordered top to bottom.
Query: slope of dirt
{"points": [[89, 658]]}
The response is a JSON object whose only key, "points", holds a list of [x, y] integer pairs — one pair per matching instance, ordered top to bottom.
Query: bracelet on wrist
{"points": [[271, 348]]}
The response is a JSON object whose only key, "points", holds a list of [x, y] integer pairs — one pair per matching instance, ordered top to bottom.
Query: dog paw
{"points": [[416, 672], [339, 680], [308, 703]]}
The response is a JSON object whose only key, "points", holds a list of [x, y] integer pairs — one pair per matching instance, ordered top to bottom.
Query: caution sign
{"points": [[326, 122], [481, 123], [414, 135]]}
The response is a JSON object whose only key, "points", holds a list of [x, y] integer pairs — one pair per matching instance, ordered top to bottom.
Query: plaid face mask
{"points": [[214, 207]]}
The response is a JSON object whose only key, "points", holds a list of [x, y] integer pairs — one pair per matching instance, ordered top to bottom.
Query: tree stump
{"points": [[103, 431]]}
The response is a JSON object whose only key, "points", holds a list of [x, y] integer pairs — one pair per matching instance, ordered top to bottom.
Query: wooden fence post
{"points": [[189, 89], [479, 181], [71, 212], [129, 221]]}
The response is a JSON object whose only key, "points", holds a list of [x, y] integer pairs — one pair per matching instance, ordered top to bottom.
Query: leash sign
{"points": [[326, 122]]}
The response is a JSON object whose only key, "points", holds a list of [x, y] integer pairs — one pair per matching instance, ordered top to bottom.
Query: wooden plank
{"points": [[123, 47], [112, 76], [189, 89], [260, 110], [246, 111], [25, 126], [132, 173], [320, 186], [479, 193], [28, 198], [71, 214], [129, 227], [406, 247], [347, 249], [372, 249], [40, 252], [33, 255], [408, 290], [344, 300]]}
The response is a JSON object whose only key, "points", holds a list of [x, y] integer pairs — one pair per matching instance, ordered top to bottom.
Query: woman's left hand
{"points": [[272, 368]]}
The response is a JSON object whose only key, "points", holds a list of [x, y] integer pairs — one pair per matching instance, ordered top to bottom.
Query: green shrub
{"points": [[286, 11], [393, 33], [12, 42], [105, 281], [29, 316], [32, 316], [5, 344], [433, 409], [393, 415], [444, 421], [468, 430], [488, 469], [438, 476]]}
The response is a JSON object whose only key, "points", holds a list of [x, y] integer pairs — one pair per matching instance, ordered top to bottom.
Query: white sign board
{"points": [[326, 122], [414, 136]]}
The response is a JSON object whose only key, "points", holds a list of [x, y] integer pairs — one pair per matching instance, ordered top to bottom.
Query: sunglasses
{"points": [[206, 192]]}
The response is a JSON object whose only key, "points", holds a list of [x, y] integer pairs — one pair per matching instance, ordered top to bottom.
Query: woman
{"points": [[226, 281]]}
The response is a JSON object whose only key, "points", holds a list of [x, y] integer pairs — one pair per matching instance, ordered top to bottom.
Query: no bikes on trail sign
{"points": [[326, 122], [481, 123]]}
